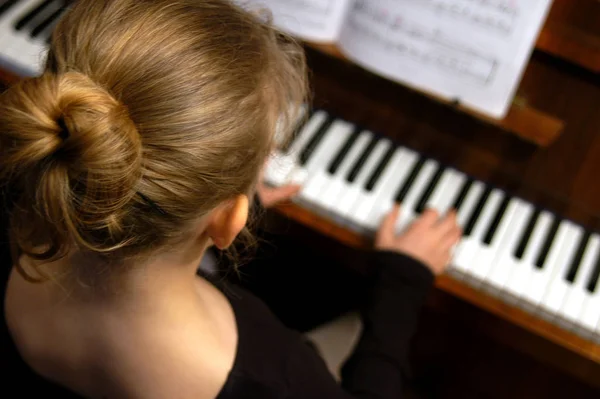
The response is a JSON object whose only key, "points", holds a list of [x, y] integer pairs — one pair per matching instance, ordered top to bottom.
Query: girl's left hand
{"points": [[271, 196]]}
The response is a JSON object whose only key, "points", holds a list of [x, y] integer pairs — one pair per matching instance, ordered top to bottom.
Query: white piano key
{"points": [[9, 19], [27, 52], [335, 139], [321, 155], [281, 165], [386, 182], [338, 185], [446, 191], [364, 197], [346, 203], [469, 203], [384, 204], [409, 204], [468, 246], [505, 261], [483, 262], [522, 274], [540, 278], [558, 286], [573, 307], [590, 315]]}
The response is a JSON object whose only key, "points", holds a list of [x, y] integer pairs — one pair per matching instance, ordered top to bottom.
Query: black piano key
{"points": [[6, 5], [31, 15], [47, 22], [296, 132], [314, 141], [339, 157], [361, 161], [409, 180], [372, 181], [430, 187], [462, 194], [477, 211], [489, 235], [524, 240], [541, 259], [574, 267], [593, 283]]}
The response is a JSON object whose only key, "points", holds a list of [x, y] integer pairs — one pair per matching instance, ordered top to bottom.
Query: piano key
{"points": [[6, 5], [33, 14], [47, 21], [338, 135], [314, 141], [283, 142], [321, 154], [337, 161], [360, 162], [406, 162], [281, 165], [372, 181], [338, 185], [430, 187], [446, 191], [474, 191], [381, 194], [462, 194], [352, 195], [399, 198], [410, 200], [477, 211], [500, 213], [494, 239], [523, 241], [467, 248], [541, 260], [505, 261], [522, 273], [571, 274], [541, 277], [592, 285], [558, 286], [573, 307], [590, 310]]}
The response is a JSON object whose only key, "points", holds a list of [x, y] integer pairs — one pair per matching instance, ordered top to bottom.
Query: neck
{"points": [[168, 275]]}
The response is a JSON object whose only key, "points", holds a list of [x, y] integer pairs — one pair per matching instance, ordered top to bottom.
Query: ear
{"points": [[227, 221]]}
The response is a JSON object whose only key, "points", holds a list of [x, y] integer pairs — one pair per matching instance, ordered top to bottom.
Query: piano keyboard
{"points": [[25, 29], [511, 249]]}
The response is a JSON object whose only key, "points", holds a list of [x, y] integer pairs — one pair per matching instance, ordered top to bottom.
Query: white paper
{"points": [[313, 20], [473, 51]]}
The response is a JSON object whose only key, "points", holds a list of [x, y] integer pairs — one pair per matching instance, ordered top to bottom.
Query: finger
{"points": [[280, 194], [428, 218], [389, 222], [447, 223], [451, 238]]}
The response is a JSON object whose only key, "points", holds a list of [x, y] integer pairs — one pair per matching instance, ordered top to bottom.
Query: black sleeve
{"points": [[378, 365]]}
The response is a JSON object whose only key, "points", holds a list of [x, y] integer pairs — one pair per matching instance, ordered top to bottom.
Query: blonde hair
{"points": [[148, 115]]}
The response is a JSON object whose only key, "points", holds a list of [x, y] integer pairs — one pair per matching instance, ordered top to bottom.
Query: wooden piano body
{"points": [[466, 334]]}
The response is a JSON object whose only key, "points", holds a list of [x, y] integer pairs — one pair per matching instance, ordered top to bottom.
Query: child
{"points": [[138, 148]]}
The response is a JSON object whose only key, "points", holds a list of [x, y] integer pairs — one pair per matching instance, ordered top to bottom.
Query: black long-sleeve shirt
{"points": [[275, 362]]}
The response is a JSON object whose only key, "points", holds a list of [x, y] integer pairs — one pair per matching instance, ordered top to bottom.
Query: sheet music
{"points": [[315, 20], [473, 51]]}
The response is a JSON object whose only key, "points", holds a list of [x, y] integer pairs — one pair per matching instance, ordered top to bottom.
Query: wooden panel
{"points": [[572, 32], [522, 120]]}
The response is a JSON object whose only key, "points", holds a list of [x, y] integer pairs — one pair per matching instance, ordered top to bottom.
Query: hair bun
{"points": [[76, 143]]}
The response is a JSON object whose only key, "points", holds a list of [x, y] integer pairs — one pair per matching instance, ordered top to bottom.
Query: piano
{"points": [[530, 254]]}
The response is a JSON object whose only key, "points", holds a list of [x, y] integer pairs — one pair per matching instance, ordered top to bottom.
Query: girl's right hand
{"points": [[429, 238]]}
